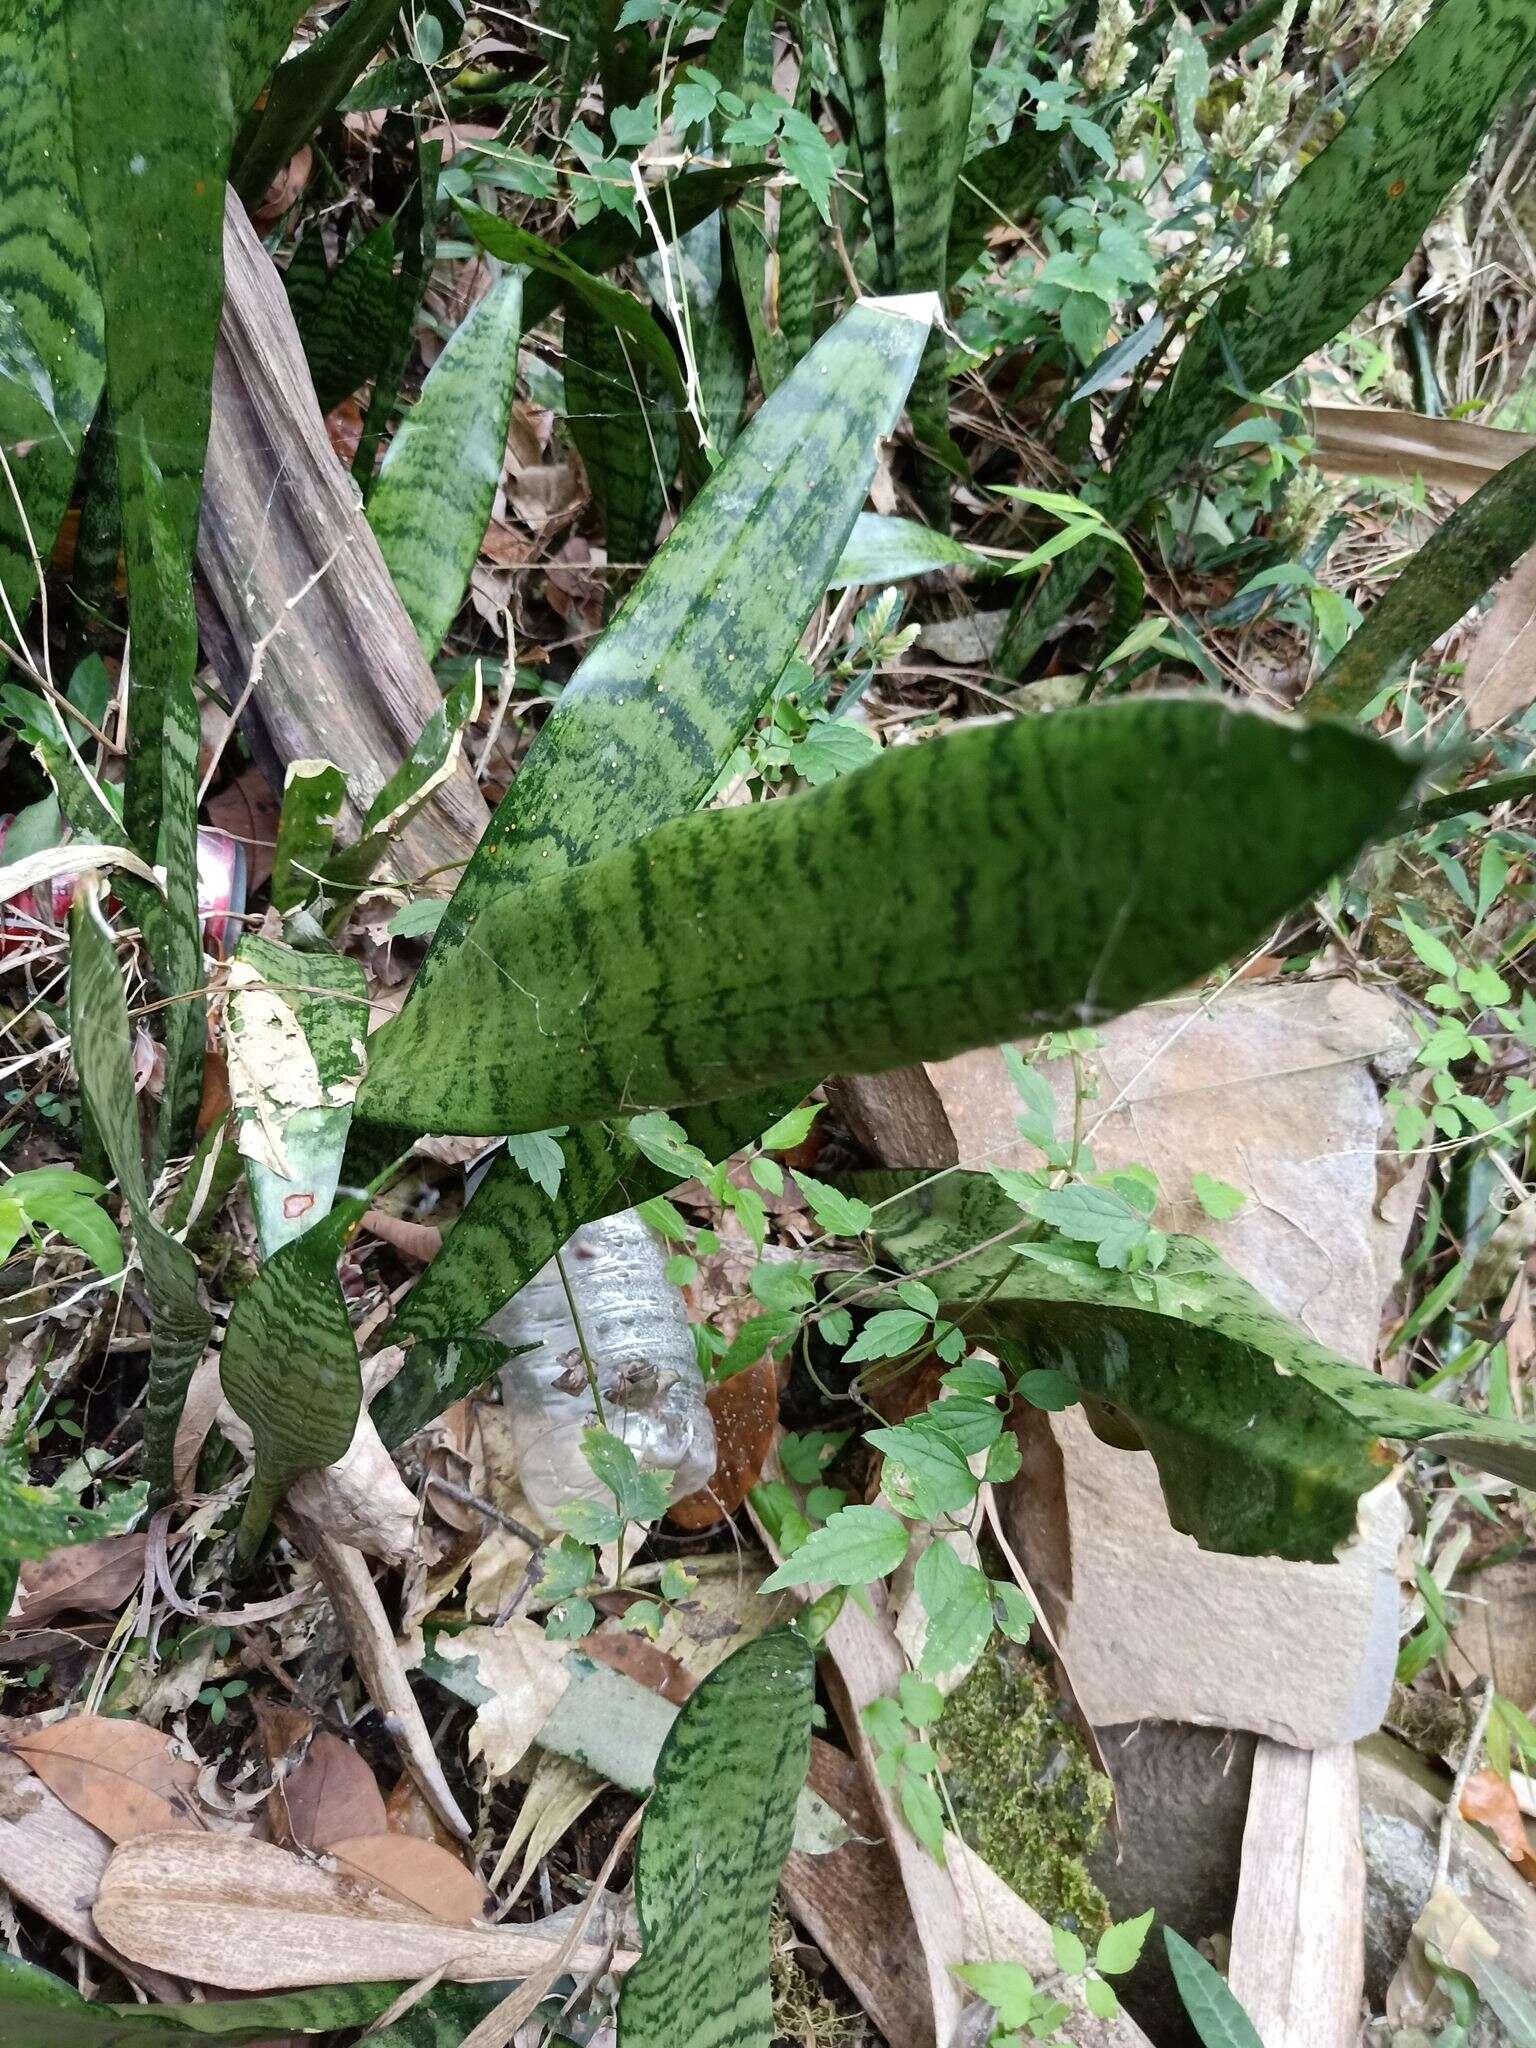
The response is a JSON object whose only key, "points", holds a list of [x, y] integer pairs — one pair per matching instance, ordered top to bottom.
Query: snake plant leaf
{"points": [[856, 31], [257, 33], [306, 91], [1005, 183], [1351, 220], [418, 238], [799, 252], [48, 287], [713, 320], [346, 327], [617, 431], [432, 503], [1480, 543], [884, 548], [430, 763], [314, 798], [722, 952], [297, 1023], [102, 1042], [510, 1229], [289, 1367], [437, 1372], [1264, 1439], [712, 1845], [39, 2010]]}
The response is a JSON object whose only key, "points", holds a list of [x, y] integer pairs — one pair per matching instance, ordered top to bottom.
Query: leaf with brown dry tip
{"points": [[745, 1409], [86, 1578], [122, 1777], [329, 1795], [416, 1873], [243, 1915]]}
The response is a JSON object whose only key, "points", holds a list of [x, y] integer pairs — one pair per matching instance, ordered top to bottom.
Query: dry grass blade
{"points": [[245, 1916]]}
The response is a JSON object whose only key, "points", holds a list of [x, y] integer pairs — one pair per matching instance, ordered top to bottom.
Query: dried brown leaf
{"points": [[746, 1413], [84, 1578], [622, 1650], [120, 1776], [324, 1797], [1490, 1800], [417, 1873], [246, 1916]]}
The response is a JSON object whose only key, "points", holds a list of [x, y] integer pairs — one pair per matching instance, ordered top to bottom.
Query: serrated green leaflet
{"points": [[307, 89], [1351, 220], [47, 284], [617, 429], [432, 503], [1480, 542], [314, 798], [716, 954], [296, 1029], [99, 1031], [289, 1367], [1264, 1440], [37, 1520], [713, 1842], [1212, 2005], [38, 2010]]}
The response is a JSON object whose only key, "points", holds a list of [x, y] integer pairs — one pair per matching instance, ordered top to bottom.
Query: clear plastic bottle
{"points": [[638, 1336]]}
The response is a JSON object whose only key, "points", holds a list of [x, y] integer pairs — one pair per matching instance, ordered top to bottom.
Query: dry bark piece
{"points": [[1449, 455], [291, 585], [745, 1411], [83, 1578], [121, 1776], [326, 1797], [54, 1862], [417, 1873], [245, 1916], [1298, 1937]]}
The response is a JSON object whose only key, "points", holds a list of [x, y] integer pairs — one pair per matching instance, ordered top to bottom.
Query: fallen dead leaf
{"points": [[746, 1413], [85, 1578], [622, 1650], [524, 1672], [121, 1776], [329, 1795], [1490, 1800], [408, 1812], [417, 1873], [246, 1916]]}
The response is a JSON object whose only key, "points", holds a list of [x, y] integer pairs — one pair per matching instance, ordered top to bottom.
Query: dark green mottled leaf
{"points": [[856, 28], [258, 32], [741, 55], [307, 89], [1004, 184], [1351, 220], [418, 237], [799, 252], [48, 283], [713, 319], [346, 335], [617, 430], [432, 503], [1480, 542], [426, 768], [314, 798], [717, 954], [296, 1026], [99, 1031], [289, 1367], [437, 1372], [1264, 1439], [713, 1842], [38, 2010]]}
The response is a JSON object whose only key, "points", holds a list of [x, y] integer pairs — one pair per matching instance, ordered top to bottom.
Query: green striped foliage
{"points": [[856, 29], [307, 89], [1352, 219], [345, 326], [619, 433], [432, 503], [1480, 542], [426, 768], [314, 798], [717, 954], [179, 1324], [289, 1367], [1264, 1439], [712, 1845]]}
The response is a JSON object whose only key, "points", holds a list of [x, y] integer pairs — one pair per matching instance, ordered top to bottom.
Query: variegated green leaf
{"points": [[856, 28], [257, 33], [307, 88], [997, 186], [1351, 221], [418, 238], [799, 251], [712, 320], [346, 333], [618, 430], [432, 503], [1480, 543], [885, 549], [430, 763], [314, 797], [717, 954], [297, 1022], [99, 1031], [289, 1367], [438, 1372], [1264, 1439], [37, 1520], [712, 1845]]}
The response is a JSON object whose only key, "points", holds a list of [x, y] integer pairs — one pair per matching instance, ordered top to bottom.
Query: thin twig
{"points": [[1464, 1771]]}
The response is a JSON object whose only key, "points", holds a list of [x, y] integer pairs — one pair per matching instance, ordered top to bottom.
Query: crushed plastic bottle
{"points": [[638, 1336]]}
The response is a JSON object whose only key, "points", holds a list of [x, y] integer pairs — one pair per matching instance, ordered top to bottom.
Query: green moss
{"points": [[1028, 1794]]}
